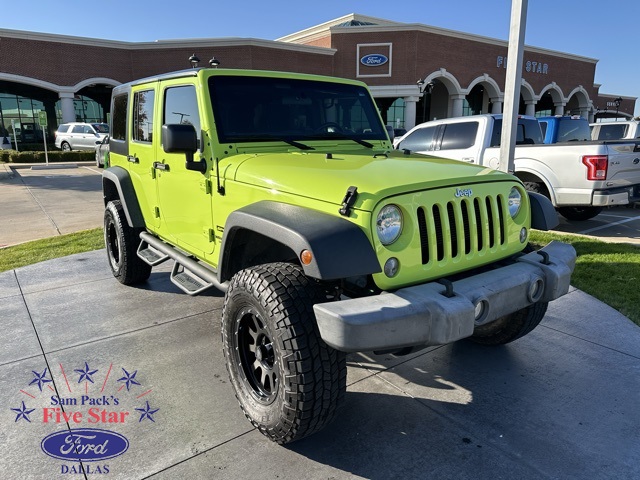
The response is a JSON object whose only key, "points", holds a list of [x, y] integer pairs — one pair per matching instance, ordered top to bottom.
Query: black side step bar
{"points": [[188, 274]]}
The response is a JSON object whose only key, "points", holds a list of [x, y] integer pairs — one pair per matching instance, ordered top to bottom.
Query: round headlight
{"points": [[515, 199], [389, 224]]}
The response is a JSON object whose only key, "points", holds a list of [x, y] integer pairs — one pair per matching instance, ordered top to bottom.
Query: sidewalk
{"points": [[42, 203], [561, 402]]}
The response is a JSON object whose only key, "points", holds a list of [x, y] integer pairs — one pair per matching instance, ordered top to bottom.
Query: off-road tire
{"points": [[579, 213], [122, 243], [510, 327], [289, 383]]}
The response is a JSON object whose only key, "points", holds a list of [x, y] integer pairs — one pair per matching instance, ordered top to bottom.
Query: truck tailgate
{"points": [[624, 163]]}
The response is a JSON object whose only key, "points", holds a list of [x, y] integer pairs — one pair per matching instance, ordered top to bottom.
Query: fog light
{"points": [[523, 235], [391, 267], [536, 289], [481, 311]]}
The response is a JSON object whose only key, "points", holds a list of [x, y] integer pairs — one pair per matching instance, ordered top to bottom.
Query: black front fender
{"points": [[543, 213], [340, 248]]}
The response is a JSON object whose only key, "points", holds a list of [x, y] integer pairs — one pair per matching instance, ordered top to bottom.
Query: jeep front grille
{"points": [[461, 227]]}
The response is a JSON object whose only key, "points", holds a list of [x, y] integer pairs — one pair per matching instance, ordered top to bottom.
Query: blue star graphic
{"points": [[86, 373], [40, 378], [129, 379], [23, 412], [147, 413]]}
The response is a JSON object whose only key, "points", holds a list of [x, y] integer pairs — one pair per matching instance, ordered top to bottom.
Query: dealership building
{"points": [[415, 72]]}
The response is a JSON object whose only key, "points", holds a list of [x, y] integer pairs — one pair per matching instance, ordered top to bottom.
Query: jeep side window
{"points": [[181, 107], [143, 116], [119, 117], [78, 129], [419, 141]]}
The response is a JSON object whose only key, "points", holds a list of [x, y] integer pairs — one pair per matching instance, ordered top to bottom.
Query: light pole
{"points": [[425, 88], [617, 103]]}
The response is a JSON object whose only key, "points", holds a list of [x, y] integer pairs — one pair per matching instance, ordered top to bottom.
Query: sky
{"points": [[604, 30]]}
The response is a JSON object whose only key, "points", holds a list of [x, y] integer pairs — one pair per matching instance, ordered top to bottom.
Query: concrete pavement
{"points": [[37, 204], [561, 402]]}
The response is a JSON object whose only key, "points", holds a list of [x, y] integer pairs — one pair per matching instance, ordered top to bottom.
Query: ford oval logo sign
{"points": [[374, 60], [84, 444]]}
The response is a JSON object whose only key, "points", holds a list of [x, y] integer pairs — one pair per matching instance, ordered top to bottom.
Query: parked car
{"points": [[558, 129], [615, 130], [80, 136], [102, 152], [397, 251]]}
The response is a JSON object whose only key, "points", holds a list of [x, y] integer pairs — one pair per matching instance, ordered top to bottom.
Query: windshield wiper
{"points": [[333, 136], [270, 138], [299, 145]]}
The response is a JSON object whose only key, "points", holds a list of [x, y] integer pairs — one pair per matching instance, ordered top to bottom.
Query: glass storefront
{"points": [[87, 110], [395, 114], [19, 115]]}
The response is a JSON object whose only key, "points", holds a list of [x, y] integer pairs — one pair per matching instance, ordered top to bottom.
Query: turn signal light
{"points": [[596, 166], [306, 257]]}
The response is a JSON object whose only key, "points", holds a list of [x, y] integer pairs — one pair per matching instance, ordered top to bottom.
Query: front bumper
{"points": [[422, 315]]}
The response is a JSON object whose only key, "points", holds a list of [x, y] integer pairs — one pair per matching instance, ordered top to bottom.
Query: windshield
{"points": [[249, 109], [101, 127], [573, 129]]}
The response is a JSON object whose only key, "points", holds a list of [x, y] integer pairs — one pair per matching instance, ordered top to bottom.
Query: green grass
{"points": [[48, 248], [608, 271]]}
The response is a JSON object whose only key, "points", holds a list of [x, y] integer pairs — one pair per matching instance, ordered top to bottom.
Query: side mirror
{"points": [[180, 138]]}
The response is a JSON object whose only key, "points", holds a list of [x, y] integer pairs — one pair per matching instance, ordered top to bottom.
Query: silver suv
{"points": [[80, 136]]}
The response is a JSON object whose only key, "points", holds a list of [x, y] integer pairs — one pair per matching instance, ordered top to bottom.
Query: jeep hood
{"points": [[314, 175]]}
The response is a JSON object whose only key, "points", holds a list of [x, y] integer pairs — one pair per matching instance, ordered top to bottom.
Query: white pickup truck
{"points": [[626, 130], [580, 178]]}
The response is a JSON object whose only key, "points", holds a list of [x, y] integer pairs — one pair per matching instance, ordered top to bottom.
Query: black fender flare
{"points": [[120, 179], [543, 213], [340, 248]]}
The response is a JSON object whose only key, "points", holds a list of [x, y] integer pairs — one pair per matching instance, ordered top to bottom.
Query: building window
{"points": [[86, 110], [395, 114], [19, 117]]}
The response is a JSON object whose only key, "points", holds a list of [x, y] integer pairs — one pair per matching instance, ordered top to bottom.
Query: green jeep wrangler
{"points": [[283, 191]]}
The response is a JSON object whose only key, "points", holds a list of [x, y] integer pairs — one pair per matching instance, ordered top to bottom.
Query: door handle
{"points": [[132, 159], [161, 166]]}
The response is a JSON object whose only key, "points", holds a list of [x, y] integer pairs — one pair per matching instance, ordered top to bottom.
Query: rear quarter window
{"points": [[119, 117], [64, 128], [459, 136]]}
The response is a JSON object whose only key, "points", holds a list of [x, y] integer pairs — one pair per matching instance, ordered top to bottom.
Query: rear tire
{"points": [[65, 147], [579, 213], [122, 243], [510, 327], [289, 383]]}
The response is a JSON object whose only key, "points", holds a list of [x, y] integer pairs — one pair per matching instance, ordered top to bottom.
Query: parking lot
{"points": [[43, 203], [561, 402]]}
